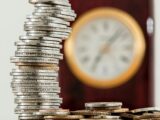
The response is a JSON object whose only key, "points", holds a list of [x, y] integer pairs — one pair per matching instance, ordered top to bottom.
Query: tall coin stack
{"points": [[35, 83]]}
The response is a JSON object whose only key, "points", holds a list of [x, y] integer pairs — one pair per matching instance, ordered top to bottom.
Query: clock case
{"points": [[138, 91]]}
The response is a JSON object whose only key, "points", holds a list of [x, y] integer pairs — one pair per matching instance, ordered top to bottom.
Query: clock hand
{"points": [[114, 37], [110, 41], [96, 61]]}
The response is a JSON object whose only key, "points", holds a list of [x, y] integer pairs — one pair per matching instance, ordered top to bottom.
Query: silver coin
{"points": [[58, 2], [43, 5], [66, 8], [45, 10], [55, 11], [67, 13], [42, 14], [65, 17], [46, 19], [57, 20], [37, 22], [52, 25], [48, 29], [36, 32], [60, 33], [37, 35], [62, 36], [24, 37], [52, 39], [21, 43], [36, 48], [35, 51], [53, 51], [38, 54], [34, 59], [54, 68], [31, 70], [55, 74], [34, 78], [30, 84], [33, 85], [36, 90], [40, 94], [32, 97], [39, 101], [28, 104], [50, 104], [102, 104], [28, 107], [36, 107], [49, 107], [149, 109], [25, 111], [58, 112], [25, 115], [68, 117], [105, 117], [31, 118]]}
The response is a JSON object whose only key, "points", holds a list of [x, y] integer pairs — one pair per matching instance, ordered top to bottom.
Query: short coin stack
{"points": [[35, 82], [102, 111], [151, 113], [60, 114]]}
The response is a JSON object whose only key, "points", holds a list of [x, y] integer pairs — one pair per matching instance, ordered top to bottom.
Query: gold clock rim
{"points": [[139, 47]]}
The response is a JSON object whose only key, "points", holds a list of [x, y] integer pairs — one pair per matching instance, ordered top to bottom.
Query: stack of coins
{"points": [[35, 82], [102, 111], [151, 113]]}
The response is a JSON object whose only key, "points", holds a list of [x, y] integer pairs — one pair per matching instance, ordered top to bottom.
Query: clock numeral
{"points": [[94, 28], [85, 59], [124, 59]]}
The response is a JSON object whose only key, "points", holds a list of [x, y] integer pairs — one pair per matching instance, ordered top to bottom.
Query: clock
{"points": [[106, 47]]}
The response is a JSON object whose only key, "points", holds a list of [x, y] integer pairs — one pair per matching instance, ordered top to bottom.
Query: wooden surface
{"points": [[138, 92]]}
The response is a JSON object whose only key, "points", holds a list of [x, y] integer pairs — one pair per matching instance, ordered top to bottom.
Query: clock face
{"points": [[106, 48]]}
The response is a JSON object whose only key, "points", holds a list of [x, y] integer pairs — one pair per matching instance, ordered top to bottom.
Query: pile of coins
{"points": [[35, 82], [101, 111], [151, 113]]}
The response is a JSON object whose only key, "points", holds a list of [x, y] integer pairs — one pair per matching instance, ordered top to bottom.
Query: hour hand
{"points": [[96, 61]]}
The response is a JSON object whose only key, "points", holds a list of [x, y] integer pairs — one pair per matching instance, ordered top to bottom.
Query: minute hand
{"points": [[114, 37]]}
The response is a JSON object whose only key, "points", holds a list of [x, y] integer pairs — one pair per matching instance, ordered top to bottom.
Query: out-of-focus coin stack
{"points": [[35, 83], [102, 111], [151, 113], [60, 114]]}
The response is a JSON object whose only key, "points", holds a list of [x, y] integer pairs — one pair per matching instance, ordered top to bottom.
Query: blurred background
{"points": [[125, 68]]}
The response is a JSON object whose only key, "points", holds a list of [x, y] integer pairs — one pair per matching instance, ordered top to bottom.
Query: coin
{"points": [[58, 2], [34, 60], [102, 105], [149, 109], [89, 112], [69, 117]]}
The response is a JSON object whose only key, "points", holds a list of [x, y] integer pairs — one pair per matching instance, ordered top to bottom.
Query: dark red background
{"points": [[138, 92]]}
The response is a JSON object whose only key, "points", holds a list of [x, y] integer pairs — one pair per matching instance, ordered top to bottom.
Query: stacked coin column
{"points": [[35, 83]]}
